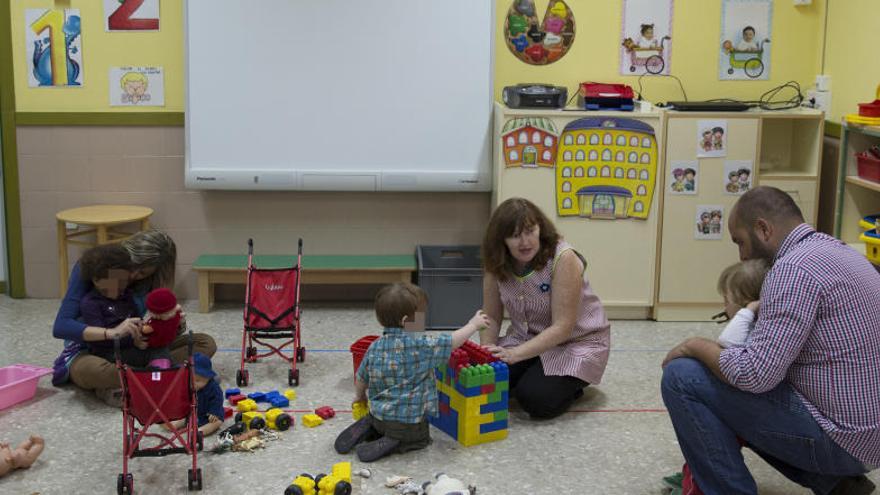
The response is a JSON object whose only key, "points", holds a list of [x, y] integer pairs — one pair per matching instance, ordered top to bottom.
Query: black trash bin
{"points": [[453, 279]]}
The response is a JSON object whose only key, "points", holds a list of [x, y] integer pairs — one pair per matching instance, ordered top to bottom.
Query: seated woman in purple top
{"points": [[153, 256], [558, 339]]}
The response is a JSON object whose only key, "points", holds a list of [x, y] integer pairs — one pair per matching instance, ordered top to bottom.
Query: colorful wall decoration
{"points": [[131, 15], [646, 33], [53, 39], [745, 39], [535, 42], [137, 86], [529, 142], [606, 168]]}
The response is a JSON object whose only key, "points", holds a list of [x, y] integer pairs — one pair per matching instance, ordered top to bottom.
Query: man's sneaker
{"points": [[111, 396], [854, 485]]}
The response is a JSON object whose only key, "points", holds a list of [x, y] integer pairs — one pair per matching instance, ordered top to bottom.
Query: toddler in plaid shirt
{"points": [[397, 375]]}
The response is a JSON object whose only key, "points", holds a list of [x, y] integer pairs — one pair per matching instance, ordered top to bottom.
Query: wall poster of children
{"points": [[646, 34], [744, 51], [711, 138], [737, 176], [684, 177], [709, 222]]}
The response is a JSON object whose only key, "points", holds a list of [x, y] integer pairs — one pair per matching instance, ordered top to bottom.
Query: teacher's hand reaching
{"points": [[509, 355]]}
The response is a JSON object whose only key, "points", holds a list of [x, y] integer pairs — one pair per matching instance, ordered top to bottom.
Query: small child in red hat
{"points": [[162, 324]]}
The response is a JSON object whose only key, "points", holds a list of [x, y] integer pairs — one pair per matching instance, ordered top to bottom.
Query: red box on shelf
{"points": [[869, 166]]}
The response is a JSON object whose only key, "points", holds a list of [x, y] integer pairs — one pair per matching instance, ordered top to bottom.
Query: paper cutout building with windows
{"points": [[529, 142], [606, 168], [472, 396]]}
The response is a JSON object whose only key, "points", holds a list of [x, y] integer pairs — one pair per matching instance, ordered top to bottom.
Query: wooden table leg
{"points": [[101, 232], [62, 256], [205, 292]]}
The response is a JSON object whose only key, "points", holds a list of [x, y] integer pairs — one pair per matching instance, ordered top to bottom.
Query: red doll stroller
{"points": [[271, 312], [153, 397]]}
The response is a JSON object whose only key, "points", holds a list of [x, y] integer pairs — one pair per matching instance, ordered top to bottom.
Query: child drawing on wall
{"points": [[134, 87], [717, 138], [707, 140], [744, 176], [689, 179], [679, 184], [732, 185], [715, 222], [704, 226]]}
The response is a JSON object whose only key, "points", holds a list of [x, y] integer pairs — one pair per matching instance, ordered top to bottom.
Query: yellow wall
{"points": [[696, 32], [852, 43], [102, 50], [594, 56]]}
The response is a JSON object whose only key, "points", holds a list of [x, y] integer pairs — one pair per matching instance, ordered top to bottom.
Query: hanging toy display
{"points": [[535, 42]]}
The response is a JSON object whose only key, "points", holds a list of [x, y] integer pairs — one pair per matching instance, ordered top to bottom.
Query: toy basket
{"points": [[869, 166], [870, 222], [872, 246], [359, 350], [18, 383]]}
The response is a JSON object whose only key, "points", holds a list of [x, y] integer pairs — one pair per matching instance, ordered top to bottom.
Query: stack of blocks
{"points": [[472, 396]]}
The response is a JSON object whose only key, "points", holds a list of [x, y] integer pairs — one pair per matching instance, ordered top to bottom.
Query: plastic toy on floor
{"points": [[22, 456], [338, 482], [444, 485]]}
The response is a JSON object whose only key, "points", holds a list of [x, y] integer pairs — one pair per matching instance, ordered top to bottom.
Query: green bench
{"points": [[369, 269]]}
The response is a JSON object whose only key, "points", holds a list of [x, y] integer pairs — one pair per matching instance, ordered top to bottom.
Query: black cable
{"points": [[680, 85], [768, 100]]}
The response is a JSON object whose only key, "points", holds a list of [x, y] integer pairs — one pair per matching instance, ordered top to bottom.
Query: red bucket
{"points": [[869, 166], [359, 349]]}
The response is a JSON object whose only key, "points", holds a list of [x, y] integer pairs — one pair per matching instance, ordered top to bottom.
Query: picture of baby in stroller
{"points": [[646, 51], [747, 55]]}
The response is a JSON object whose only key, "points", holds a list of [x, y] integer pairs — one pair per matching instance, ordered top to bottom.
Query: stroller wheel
{"points": [[632, 68], [730, 71], [301, 354], [293, 377], [241, 378], [195, 479], [125, 484], [342, 488]]}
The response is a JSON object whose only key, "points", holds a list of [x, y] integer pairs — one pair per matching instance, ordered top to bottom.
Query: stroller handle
{"points": [[300, 245], [250, 246]]}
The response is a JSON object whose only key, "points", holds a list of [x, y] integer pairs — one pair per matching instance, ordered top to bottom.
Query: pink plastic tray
{"points": [[18, 382]]}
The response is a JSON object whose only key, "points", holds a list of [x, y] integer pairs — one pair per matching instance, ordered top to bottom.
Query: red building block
{"points": [[487, 389], [235, 399], [227, 412], [326, 412]]}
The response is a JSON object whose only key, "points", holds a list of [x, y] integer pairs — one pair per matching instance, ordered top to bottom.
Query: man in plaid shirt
{"points": [[397, 373], [804, 392]]}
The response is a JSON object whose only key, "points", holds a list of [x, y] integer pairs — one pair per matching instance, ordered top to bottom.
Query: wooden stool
{"points": [[103, 219]]}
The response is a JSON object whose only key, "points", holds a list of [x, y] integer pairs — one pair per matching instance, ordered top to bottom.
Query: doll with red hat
{"points": [[161, 325]]}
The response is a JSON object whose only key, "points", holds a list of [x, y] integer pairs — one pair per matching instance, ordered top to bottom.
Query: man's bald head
{"points": [[769, 203]]}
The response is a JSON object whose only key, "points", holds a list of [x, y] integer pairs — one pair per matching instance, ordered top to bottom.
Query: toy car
{"points": [[254, 420], [304, 484]]}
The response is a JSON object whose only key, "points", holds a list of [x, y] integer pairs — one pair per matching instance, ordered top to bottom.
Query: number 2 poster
{"points": [[131, 15]]}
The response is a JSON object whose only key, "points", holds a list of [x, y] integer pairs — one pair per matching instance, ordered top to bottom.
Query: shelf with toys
{"points": [[858, 188]]}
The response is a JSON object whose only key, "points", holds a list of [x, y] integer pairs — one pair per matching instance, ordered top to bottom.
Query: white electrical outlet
{"points": [[803, 2], [820, 100]]}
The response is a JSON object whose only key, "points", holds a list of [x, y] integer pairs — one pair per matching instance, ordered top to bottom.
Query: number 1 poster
{"points": [[131, 15], [53, 38]]}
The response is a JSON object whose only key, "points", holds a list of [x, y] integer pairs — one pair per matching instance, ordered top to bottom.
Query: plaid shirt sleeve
{"points": [[789, 303], [440, 349], [362, 374]]}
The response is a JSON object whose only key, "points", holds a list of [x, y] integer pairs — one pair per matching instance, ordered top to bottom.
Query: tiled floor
{"points": [[617, 440]]}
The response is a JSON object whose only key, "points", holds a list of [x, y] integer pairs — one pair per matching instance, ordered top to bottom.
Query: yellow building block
{"points": [[290, 394], [247, 405], [359, 410], [312, 420], [470, 440], [342, 470], [305, 484], [327, 485]]}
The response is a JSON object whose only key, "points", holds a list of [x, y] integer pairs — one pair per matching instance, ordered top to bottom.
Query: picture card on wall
{"points": [[131, 15], [646, 33], [53, 39], [745, 40], [137, 86], [711, 138], [737, 176], [684, 178], [709, 222]]}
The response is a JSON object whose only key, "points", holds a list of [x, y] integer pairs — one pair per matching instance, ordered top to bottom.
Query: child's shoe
{"points": [[359, 431], [377, 449], [673, 480]]}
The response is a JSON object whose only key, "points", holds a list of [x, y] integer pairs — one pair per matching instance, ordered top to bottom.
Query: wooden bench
{"points": [[372, 269]]}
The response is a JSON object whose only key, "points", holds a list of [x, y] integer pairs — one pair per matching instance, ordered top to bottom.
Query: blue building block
{"points": [[232, 391], [257, 396], [280, 401], [495, 406], [493, 426]]}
